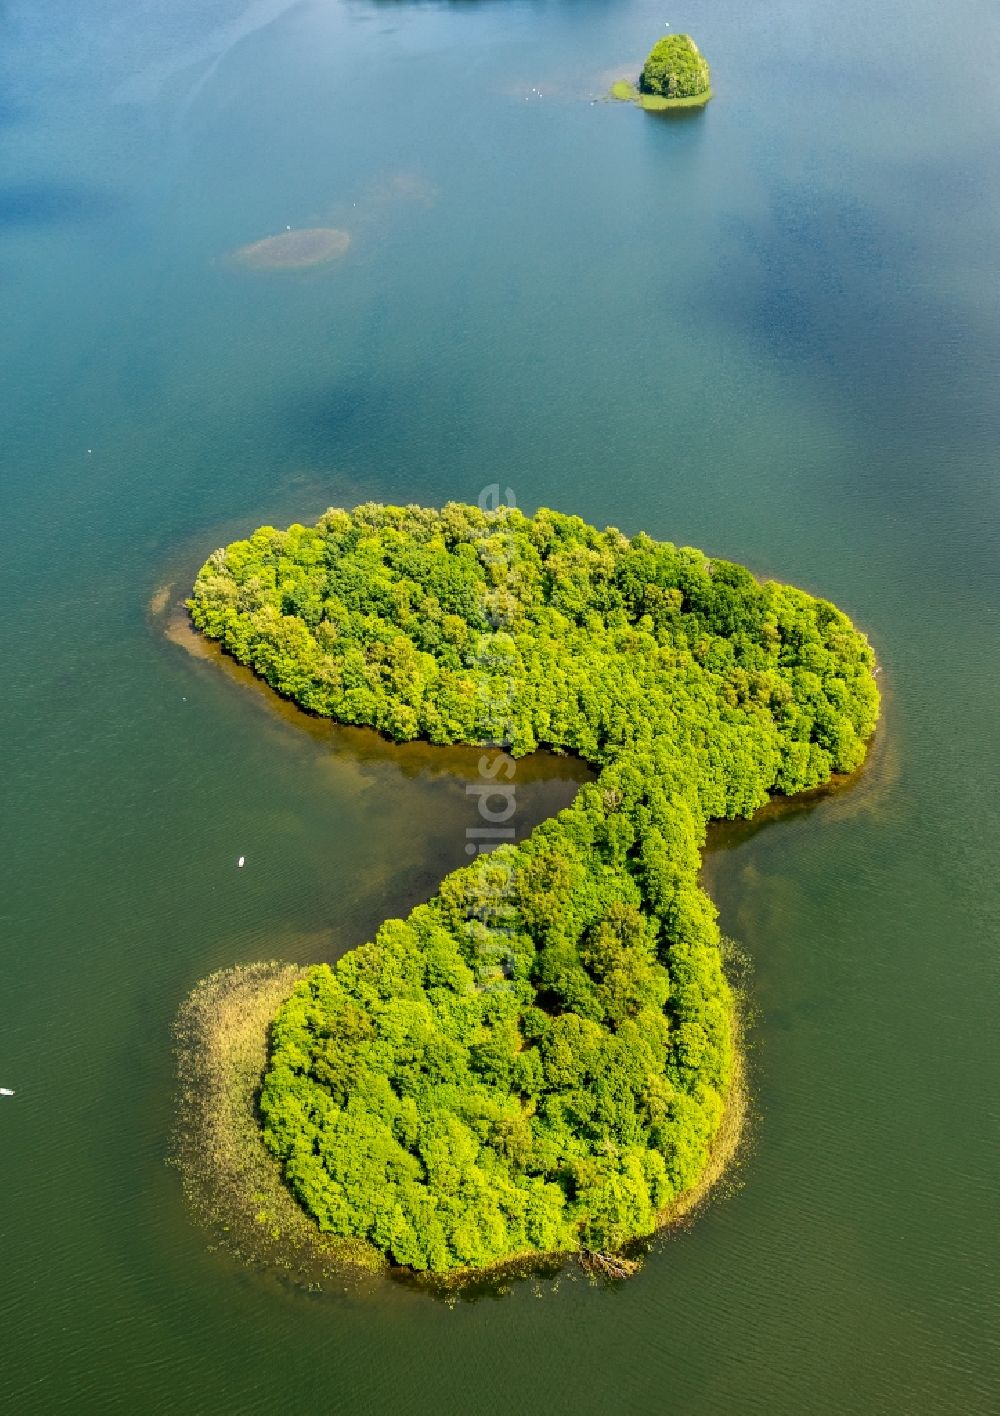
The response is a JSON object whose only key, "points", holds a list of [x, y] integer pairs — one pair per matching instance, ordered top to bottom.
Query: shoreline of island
{"points": [[626, 91], [231, 1182]]}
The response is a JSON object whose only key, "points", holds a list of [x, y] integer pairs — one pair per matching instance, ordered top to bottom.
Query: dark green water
{"points": [[772, 330]]}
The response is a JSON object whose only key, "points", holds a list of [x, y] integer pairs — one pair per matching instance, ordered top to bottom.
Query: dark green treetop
{"points": [[675, 69]]}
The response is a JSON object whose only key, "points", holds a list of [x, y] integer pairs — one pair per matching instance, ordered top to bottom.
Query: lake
{"points": [[770, 329]]}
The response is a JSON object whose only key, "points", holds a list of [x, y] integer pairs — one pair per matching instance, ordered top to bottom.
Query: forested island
{"points": [[675, 75], [538, 1060]]}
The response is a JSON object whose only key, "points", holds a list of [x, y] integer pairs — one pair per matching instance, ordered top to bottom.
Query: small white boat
{"points": [[241, 862], [6, 1091]]}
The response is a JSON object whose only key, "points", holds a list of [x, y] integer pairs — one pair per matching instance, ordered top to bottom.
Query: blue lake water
{"points": [[770, 329]]}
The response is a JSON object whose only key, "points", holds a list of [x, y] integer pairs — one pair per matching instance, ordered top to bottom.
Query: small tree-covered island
{"points": [[675, 75], [541, 1058]]}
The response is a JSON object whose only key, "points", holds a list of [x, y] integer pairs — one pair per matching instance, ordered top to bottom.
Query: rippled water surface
{"points": [[771, 329]]}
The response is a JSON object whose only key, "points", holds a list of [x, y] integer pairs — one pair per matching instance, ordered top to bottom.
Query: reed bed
{"points": [[232, 1183]]}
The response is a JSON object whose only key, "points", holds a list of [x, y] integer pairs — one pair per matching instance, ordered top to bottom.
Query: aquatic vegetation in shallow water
{"points": [[625, 91], [293, 250], [231, 1181]]}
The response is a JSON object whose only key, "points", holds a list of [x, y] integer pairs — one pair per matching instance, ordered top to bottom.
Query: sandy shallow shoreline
{"points": [[232, 1183]]}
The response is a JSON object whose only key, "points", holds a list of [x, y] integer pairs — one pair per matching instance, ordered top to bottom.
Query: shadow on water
{"points": [[389, 5], [10, 112], [675, 115], [52, 203], [812, 264], [820, 281], [311, 419]]}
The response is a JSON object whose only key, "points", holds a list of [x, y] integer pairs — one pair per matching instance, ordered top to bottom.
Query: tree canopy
{"points": [[675, 68], [537, 1059]]}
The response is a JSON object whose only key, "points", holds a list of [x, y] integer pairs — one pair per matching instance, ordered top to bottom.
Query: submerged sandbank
{"points": [[295, 250]]}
